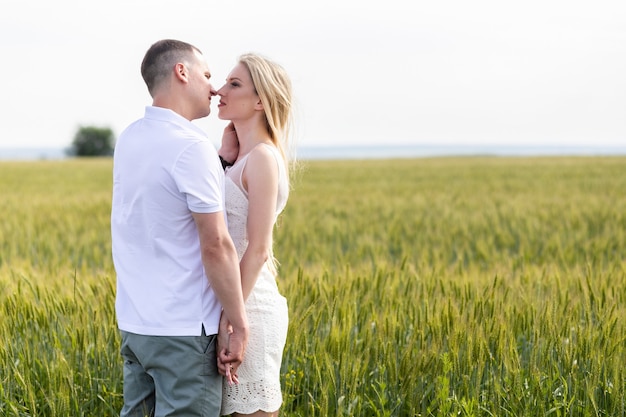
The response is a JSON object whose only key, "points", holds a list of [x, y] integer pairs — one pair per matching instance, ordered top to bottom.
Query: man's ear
{"points": [[180, 71]]}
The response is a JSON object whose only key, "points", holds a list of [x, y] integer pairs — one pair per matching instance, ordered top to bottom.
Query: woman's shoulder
{"points": [[265, 152], [265, 160]]}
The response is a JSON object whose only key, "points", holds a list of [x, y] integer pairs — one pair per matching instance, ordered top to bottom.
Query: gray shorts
{"points": [[170, 375]]}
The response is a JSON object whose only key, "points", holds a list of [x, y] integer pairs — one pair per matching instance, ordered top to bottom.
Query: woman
{"points": [[257, 100]]}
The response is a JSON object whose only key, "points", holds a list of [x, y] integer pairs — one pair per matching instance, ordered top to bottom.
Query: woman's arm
{"points": [[260, 178]]}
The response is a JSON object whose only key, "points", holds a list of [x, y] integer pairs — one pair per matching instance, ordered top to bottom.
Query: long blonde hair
{"points": [[273, 86]]}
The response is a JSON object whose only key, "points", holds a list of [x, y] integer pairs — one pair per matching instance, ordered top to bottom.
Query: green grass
{"points": [[433, 287]]}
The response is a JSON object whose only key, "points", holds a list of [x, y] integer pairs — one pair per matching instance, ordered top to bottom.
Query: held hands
{"points": [[230, 144], [230, 350]]}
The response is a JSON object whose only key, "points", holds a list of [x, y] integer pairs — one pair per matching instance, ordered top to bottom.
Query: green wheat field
{"points": [[471, 286]]}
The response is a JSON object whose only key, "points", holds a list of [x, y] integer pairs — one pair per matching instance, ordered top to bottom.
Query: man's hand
{"points": [[230, 144], [223, 342], [231, 347]]}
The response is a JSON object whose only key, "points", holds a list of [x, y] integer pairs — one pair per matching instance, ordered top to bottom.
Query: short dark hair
{"points": [[161, 57]]}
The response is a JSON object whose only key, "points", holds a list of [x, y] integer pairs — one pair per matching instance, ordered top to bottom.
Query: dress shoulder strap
{"points": [[235, 173]]}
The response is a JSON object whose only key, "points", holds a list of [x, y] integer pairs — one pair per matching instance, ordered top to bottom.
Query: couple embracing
{"points": [[202, 323]]}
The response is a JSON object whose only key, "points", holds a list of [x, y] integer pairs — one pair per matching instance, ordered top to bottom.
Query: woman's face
{"points": [[238, 99]]}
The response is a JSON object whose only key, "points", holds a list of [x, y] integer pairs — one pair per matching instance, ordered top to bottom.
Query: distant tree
{"points": [[92, 141]]}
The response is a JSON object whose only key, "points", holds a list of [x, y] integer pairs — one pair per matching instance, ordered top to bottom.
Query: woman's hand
{"points": [[225, 367]]}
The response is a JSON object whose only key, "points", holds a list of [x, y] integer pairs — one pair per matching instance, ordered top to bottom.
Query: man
{"points": [[176, 266]]}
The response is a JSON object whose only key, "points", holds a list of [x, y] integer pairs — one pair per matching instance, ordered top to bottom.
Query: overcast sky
{"points": [[364, 72]]}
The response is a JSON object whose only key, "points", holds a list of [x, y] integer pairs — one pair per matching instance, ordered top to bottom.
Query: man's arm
{"points": [[222, 269]]}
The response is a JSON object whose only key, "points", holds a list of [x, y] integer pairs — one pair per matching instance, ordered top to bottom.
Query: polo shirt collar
{"points": [[168, 115]]}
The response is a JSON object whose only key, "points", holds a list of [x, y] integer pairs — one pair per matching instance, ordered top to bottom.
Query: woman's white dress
{"points": [[259, 374]]}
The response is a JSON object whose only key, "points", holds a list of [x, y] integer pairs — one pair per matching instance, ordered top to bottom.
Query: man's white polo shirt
{"points": [[164, 169]]}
